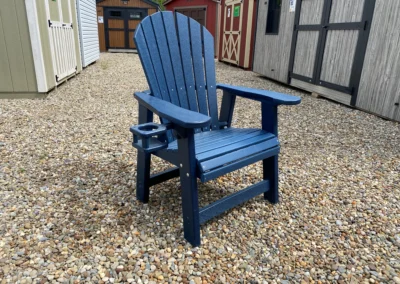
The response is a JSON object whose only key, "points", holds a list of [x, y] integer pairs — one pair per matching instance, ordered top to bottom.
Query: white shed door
{"points": [[88, 31]]}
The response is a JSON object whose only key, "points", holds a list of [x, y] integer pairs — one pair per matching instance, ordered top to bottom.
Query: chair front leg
{"points": [[143, 162], [270, 165], [143, 177], [190, 203]]}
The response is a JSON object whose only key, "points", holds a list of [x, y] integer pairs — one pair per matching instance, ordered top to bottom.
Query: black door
{"points": [[120, 25], [329, 43]]}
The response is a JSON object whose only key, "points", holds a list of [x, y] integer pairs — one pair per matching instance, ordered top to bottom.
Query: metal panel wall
{"points": [[88, 31], [379, 90]]}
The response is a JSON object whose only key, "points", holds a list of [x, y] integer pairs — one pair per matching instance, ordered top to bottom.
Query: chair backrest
{"points": [[177, 55]]}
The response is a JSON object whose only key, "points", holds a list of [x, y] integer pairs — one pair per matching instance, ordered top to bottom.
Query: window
{"points": [[115, 13], [135, 15], [273, 16]]}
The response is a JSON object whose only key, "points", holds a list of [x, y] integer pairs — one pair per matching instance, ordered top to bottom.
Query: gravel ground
{"points": [[68, 211]]}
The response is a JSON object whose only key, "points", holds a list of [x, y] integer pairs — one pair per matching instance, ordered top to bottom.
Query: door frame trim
{"points": [[205, 7], [363, 27], [126, 28]]}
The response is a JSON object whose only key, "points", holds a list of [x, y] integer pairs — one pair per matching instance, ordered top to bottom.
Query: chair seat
{"points": [[221, 151]]}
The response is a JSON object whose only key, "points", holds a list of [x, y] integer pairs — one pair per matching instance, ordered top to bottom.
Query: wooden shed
{"points": [[206, 12], [238, 20], [117, 21], [39, 46], [347, 51]]}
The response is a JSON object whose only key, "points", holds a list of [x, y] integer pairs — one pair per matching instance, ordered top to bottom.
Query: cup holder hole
{"points": [[148, 127]]}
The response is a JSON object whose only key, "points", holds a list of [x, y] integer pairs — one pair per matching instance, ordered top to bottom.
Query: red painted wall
{"points": [[211, 12]]}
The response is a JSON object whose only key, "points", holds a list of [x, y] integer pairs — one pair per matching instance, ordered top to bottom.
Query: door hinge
{"points": [[50, 23], [57, 78]]}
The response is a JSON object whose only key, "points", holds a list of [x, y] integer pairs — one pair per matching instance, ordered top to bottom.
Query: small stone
{"points": [[339, 223], [119, 268], [160, 277], [396, 280]]}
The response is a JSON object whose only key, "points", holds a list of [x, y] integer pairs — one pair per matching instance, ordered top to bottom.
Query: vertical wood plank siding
{"points": [[345, 11], [311, 12], [272, 52], [305, 54], [338, 56], [16, 59], [380, 81]]}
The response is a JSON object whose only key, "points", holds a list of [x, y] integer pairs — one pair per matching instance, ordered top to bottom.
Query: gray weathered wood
{"points": [[345, 11], [311, 12], [306, 51], [272, 52], [339, 56], [380, 80], [324, 92]]}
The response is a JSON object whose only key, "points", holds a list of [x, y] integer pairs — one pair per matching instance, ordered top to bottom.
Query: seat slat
{"points": [[163, 49], [197, 57], [209, 65], [217, 138], [222, 141], [219, 151], [237, 155], [239, 164]]}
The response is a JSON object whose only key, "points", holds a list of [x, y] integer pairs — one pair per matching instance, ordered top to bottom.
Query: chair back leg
{"points": [[270, 172], [143, 177], [190, 202]]}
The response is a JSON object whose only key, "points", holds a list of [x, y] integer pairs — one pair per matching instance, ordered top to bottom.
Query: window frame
{"points": [[272, 11]]}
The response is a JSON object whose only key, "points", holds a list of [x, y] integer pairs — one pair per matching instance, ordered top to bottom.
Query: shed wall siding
{"points": [[211, 19], [89, 35], [272, 52], [17, 72], [380, 80]]}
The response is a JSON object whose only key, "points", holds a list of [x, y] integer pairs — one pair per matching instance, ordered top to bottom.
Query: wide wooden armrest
{"points": [[265, 96], [175, 114]]}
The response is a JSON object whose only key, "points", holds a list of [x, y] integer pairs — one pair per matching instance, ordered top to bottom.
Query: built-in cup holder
{"points": [[148, 127], [149, 137]]}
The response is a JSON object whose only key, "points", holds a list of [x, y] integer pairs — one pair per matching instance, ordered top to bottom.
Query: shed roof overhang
{"points": [[146, 1], [169, 1]]}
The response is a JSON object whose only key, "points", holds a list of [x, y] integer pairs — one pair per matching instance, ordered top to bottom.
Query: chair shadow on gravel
{"points": [[99, 198]]}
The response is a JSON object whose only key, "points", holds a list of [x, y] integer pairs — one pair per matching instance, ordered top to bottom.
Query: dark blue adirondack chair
{"points": [[177, 55]]}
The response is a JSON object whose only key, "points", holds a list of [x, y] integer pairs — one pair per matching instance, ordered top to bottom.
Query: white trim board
{"points": [[37, 51]]}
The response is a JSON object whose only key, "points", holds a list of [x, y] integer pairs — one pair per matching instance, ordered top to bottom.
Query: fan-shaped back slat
{"points": [[153, 49], [163, 50], [178, 60], [187, 65], [209, 65], [198, 66]]}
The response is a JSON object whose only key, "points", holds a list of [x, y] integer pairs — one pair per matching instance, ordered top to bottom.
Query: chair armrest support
{"points": [[264, 96], [174, 114]]}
